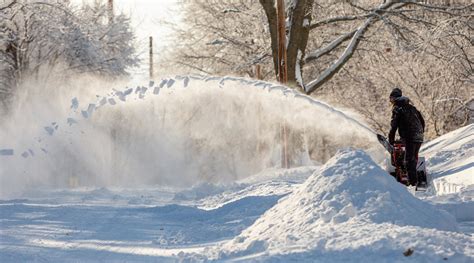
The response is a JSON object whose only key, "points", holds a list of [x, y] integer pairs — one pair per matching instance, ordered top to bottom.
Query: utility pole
{"points": [[110, 9], [151, 57], [258, 71], [282, 72]]}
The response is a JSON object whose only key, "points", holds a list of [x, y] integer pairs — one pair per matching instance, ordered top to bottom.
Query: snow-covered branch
{"points": [[9, 5], [438, 7], [375, 14], [336, 19], [328, 48], [350, 49], [348, 52]]}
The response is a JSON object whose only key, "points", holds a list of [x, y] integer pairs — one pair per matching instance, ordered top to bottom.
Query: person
{"points": [[411, 127]]}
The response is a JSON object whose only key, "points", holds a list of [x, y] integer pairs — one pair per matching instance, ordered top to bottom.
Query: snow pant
{"points": [[411, 160]]}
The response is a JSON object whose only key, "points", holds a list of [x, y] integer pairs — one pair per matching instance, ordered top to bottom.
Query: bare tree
{"points": [[8, 5], [362, 15], [36, 34], [219, 38], [432, 64]]}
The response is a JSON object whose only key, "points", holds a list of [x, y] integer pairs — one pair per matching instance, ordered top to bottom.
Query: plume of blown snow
{"points": [[177, 131]]}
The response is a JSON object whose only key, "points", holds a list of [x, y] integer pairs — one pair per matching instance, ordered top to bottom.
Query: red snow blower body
{"points": [[397, 165]]}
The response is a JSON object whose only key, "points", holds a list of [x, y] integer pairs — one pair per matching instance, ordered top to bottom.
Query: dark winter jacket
{"points": [[408, 120]]}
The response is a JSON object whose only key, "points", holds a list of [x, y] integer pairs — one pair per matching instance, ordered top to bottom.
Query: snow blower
{"points": [[397, 165]]}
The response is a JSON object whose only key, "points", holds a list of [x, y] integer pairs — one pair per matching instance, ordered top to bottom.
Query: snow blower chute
{"points": [[397, 165]]}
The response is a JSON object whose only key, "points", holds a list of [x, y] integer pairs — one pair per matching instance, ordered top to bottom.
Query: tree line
{"points": [[61, 39]]}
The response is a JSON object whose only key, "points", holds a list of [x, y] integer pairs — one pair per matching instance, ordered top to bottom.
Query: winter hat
{"points": [[396, 92]]}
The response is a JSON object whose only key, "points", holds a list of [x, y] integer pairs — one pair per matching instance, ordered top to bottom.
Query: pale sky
{"points": [[144, 15]]}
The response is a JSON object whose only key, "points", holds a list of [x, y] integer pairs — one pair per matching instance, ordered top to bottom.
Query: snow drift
{"points": [[450, 160], [351, 204]]}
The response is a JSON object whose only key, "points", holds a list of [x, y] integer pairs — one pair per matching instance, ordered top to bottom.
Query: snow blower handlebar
{"points": [[385, 143]]}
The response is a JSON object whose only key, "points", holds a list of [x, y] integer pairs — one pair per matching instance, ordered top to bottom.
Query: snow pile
{"points": [[450, 160], [351, 210]]}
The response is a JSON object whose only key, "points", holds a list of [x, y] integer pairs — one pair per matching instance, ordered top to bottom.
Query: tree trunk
{"points": [[270, 12], [299, 15]]}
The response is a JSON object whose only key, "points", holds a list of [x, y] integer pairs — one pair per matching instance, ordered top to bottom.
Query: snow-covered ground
{"points": [[451, 160], [348, 209]]}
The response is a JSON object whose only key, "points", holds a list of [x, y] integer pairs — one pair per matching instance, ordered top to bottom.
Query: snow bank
{"points": [[450, 141], [450, 160], [460, 204], [351, 210]]}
